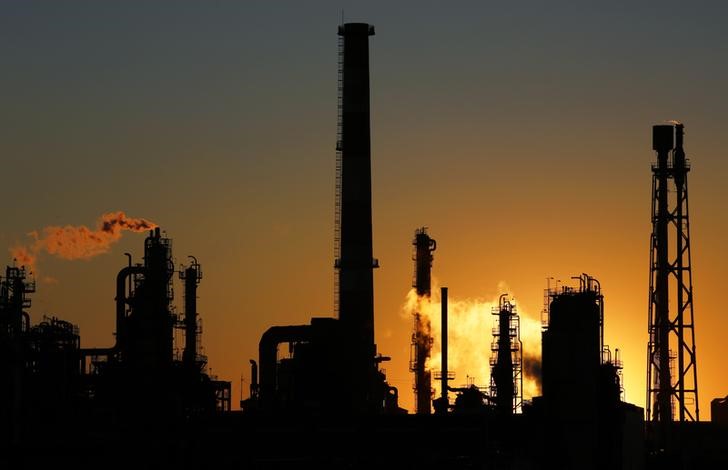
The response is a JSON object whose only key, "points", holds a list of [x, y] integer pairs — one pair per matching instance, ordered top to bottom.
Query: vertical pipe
{"points": [[663, 141], [679, 177], [443, 297], [663, 313], [189, 355], [17, 359]]}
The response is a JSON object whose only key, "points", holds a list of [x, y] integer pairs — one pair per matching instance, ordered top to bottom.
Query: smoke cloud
{"points": [[78, 242], [470, 325], [532, 370]]}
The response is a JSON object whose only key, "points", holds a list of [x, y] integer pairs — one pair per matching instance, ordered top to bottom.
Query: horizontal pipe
{"points": [[268, 355]]}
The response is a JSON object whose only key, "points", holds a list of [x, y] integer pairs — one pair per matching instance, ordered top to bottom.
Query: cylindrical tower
{"points": [[355, 263], [191, 276], [356, 291], [148, 330], [421, 336]]}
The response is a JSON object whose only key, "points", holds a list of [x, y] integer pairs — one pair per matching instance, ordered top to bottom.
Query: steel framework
{"points": [[672, 392]]}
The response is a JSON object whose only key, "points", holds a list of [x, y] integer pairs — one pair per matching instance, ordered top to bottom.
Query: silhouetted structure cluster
{"points": [[329, 347], [140, 372], [506, 378], [52, 385], [327, 404], [588, 426]]}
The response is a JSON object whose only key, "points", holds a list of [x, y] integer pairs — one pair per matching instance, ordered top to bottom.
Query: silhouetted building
{"points": [[140, 375], [587, 425]]}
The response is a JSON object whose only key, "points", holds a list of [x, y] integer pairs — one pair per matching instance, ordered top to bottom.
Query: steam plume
{"points": [[78, 242], [470, 323], [532, 369]]}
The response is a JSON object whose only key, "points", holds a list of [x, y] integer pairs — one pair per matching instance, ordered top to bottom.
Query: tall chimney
{"points": [[662, 142], [355, 277], [443, 327]]}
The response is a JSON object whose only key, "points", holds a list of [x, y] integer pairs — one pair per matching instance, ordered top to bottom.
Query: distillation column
{"points": [[191, 277], [422, 334], [506, 377]]}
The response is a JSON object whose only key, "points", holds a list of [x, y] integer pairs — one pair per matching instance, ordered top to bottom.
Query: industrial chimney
{"points": [[354, 201]]}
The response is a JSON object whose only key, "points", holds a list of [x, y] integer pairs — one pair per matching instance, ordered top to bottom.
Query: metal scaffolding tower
{"points": [[506, 378], [672, 392]]}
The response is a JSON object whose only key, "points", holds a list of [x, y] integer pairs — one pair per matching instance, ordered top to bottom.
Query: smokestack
{"points": [[662, 137], [679, 157], [192, 276], [355, 276], [443, 297]]}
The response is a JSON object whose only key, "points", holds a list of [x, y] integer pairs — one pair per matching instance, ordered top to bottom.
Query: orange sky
{"points": [[520, 136]]}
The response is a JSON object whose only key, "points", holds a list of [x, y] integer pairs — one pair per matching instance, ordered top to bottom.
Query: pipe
{"points": [[680, 173], [121, 300], [443, 300], [189, 355], [268, 356]]}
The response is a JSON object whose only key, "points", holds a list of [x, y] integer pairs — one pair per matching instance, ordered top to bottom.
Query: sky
{"points": [[518, 133]]}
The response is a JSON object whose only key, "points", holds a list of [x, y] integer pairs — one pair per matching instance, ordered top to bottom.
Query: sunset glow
{"points": [[518, 134]]}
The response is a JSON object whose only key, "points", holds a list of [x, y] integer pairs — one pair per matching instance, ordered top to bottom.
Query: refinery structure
{"points": [[327, 403]]}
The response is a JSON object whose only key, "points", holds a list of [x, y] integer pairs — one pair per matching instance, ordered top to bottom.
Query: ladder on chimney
{"points": [[339, 149]]}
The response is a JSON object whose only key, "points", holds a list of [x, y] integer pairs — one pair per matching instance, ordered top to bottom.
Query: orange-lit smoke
{"points": [[78, 242], [470, 334]]}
